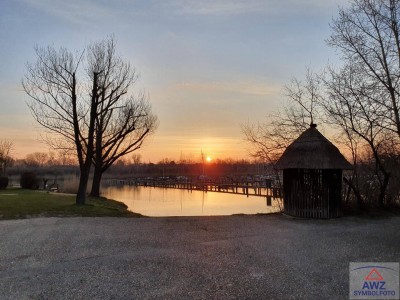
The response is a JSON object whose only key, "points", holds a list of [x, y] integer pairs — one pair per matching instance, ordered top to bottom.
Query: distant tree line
{"points": [[357, 102], [52, 165], [190, 168], [59, 169]]}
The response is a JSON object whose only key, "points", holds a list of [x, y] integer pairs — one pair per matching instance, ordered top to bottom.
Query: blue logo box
{"points": [[374, 280]]}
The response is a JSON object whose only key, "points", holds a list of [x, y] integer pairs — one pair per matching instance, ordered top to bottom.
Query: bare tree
{"points": [[367, 35], [364, 94], [64, 100], [83, 100], [350, 107], [123, 121], [268, 140], [6, 148], [66, 157], [36, 159], [135, 159]]}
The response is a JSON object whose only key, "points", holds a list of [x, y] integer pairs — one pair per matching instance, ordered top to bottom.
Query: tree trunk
{"points": [[98, 159], [86, 163], [83, 182], [382, 191], [95, 192], [359, 201]]}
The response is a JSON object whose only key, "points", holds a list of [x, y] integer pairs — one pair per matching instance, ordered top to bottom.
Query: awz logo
{"points": [[372, 281]]}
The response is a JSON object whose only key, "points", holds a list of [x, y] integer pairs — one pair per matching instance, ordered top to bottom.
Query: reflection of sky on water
{"points": [[174, 202]]}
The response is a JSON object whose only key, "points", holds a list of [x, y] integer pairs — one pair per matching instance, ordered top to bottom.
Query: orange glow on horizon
{"points": [[209, 159]]}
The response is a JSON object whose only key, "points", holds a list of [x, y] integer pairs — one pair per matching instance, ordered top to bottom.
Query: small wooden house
{"points": [[312, 176]]}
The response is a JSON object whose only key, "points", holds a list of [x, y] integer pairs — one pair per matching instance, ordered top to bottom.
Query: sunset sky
{"points": [[208, 66]]}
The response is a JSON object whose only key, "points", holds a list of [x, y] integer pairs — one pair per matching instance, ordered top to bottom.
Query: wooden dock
{"points": [[248, 188]]}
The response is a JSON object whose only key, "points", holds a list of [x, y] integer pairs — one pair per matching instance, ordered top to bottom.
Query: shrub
{"points": [[29, 181], [3, 182]]}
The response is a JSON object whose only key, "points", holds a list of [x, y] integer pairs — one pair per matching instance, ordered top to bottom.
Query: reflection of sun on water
{"points": [[209, 159]]}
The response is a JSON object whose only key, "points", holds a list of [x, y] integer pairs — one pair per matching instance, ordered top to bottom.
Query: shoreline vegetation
{"points": [[17, 203]]}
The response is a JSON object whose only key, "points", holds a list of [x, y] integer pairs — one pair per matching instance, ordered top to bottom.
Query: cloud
{"points": [[219, 7], [238, 7], [74, 11], [91, 11]]}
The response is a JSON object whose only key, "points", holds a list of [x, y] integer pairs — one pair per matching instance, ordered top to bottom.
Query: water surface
{"points": [[157, 202]]}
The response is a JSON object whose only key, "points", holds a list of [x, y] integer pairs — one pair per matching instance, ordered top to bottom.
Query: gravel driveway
{"points": [[235, 257]]}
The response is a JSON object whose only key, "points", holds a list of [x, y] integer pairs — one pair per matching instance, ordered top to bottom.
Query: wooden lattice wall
{"points": [[312, 193]]}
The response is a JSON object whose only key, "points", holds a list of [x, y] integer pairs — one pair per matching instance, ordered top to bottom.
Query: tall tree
{"points": [[364, 94], [64, 100], [123, 121]]}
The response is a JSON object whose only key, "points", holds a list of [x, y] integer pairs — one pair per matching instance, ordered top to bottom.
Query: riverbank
{"points": [[16, 203], [233, 257]]}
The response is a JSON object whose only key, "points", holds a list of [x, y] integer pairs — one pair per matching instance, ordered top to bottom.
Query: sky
{"points": [[208, 66]]}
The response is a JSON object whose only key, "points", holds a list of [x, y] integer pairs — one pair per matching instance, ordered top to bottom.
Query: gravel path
{"points": [[236, 257]]}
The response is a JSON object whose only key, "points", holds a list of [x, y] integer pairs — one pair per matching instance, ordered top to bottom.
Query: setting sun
{"points": [[209, 159]]}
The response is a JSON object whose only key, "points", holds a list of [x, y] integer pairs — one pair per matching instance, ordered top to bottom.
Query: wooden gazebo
{"points": [[312, 176]]}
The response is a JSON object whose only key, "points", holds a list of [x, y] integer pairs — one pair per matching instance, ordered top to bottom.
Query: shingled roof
{"points": [[311, 150]]}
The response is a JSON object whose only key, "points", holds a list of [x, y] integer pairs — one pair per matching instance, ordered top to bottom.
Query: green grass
{"points": [[19, 203]]}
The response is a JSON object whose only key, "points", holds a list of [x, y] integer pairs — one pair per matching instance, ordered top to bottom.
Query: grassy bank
{"points": [[19, 203]]}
